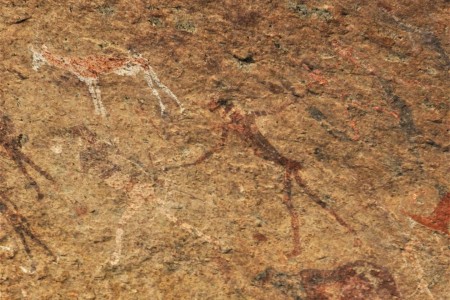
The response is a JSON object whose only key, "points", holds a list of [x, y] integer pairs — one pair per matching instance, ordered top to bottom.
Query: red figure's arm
{"points": [[439, 218]]}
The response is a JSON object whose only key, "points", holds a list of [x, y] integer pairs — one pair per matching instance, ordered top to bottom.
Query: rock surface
{"points": [[302, 152]]}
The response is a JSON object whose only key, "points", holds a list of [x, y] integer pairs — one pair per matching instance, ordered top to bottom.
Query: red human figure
{"points": [[244, 125], [11, 147]]}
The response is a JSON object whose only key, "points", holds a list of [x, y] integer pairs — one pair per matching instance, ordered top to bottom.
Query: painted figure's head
{"points": [[224, 105]]}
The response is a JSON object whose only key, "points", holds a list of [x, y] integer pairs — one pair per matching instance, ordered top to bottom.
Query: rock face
{"points": [[176, 150]]}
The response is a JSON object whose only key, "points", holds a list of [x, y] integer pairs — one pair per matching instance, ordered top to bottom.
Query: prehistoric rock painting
{"points": [[88, 70], [402, 112], [244, 125], [11, 144], [109, 163], [439, 219], [19, 223], [359, 280]]}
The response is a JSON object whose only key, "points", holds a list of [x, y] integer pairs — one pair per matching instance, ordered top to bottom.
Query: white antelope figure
{"points": [[89, 68]]}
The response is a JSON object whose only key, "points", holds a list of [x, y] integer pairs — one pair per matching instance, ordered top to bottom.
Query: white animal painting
{"points": [[89, 68]]}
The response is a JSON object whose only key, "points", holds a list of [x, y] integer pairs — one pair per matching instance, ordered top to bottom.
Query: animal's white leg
{"points": [[162, 86], [155, 93], [94, 97], [100, 102], [137, 197], [115, 257]]}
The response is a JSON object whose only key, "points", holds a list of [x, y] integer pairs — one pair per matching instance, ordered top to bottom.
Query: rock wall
{"points": [[224, 149]]}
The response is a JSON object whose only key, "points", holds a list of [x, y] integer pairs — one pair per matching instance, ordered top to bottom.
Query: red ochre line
{"points": [[439, 219]]}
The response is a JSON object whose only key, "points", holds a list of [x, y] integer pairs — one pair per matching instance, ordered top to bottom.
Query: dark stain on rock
{"points": [[22, 19], [248, 19], [434, 43], [248, 59], [273, 87], [316, 114], [405, 114], [406, 118], [433, 144], [320, 154], [259, 237], [264, 276], [287, 284]]}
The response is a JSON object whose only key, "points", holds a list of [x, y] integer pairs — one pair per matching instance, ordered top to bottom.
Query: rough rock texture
{"points": [[307, 158]]}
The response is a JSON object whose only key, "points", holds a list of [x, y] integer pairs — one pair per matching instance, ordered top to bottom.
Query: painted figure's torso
{"points": [[94, 65], [245, 126]]}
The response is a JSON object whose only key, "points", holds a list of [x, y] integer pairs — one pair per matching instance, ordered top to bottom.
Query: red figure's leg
{"points": [[287, 201], [320, 202]]}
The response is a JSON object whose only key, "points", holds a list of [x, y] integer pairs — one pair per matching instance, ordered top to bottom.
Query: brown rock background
{"points": [[357, 91]]}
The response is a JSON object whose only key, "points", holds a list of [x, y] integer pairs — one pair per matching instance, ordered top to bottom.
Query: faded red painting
{"points": [[439, 219], [359, 280]]}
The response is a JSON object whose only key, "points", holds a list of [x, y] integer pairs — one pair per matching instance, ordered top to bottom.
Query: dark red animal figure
{"points": [[244, 125], [11, 145], [20, 225], [359, 280]]}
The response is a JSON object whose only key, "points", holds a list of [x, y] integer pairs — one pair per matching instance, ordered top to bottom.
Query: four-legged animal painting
{"points": [[88, 70]]}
